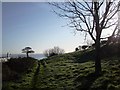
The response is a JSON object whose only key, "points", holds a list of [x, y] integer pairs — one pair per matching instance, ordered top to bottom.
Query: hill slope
{"points": [[72, 71], [62, 72]]}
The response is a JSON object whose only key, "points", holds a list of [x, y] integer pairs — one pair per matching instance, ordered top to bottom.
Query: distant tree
{"points": [[84, 47], [80, 48], [76, 49], [27, 50], [58, 50], [54, 51], [46, 53], [7, 54]]}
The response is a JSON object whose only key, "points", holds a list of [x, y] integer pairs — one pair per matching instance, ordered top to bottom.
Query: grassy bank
{"points": [[71, 71], [18, 73], [63, 73]]}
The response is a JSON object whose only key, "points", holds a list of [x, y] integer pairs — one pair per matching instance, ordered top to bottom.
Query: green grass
{"points": [[68, 72], [64, 73], [25, 78]]}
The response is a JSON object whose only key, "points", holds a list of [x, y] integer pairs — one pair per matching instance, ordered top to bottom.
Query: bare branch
{"points": [[105, 14], [82, 15], [110, 25]]}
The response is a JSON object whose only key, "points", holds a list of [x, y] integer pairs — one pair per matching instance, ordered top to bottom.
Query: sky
{"points": [[35, 25]]}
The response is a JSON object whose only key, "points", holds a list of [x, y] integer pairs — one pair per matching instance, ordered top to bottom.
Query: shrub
{"points": [[54, 51], [14, 68]]}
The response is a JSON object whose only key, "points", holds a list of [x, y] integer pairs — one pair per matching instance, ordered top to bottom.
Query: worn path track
{"points": [[35, 77]]}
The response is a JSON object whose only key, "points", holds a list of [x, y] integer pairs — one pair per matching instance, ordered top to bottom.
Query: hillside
{"points": [[72, 71], [62, 72]]}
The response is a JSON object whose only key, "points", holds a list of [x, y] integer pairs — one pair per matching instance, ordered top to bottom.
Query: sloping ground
{"points": [[72, 71], [18, 73], [61, 73]]}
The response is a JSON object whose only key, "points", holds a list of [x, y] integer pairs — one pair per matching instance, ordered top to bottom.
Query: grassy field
{"points": [[72, 71], [18, 73], [62, 73]]}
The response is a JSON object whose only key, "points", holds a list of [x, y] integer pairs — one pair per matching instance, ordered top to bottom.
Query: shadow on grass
{"points": [[105, 52], [85, 56], [85, 82]]}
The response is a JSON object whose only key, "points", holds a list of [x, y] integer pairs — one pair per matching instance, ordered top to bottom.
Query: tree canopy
{"points": [[27, 50]]}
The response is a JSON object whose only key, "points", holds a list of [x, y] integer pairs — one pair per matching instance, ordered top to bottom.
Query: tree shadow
{"points": [[106, 51], [85, 56], [85, 82]]}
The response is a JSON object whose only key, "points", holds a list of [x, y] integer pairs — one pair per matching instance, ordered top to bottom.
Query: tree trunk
{"points": [[97, 42], [27, 55], [97, 57]]}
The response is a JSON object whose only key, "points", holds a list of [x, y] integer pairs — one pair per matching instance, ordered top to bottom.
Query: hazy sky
{"points": [[35, 25]]}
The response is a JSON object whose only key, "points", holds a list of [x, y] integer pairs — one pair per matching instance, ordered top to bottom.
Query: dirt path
{"points": [[35, 77]]}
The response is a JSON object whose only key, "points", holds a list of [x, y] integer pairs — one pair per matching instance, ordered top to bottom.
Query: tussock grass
{"points": [[71, 71]]}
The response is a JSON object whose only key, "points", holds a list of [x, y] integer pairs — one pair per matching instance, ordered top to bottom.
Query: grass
{"points": [[71, 71], [62, 72], [26, 77]]}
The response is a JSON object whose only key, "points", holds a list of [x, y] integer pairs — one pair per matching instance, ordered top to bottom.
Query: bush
{"points": [[54, 51], [20, 64], [15, 67]]}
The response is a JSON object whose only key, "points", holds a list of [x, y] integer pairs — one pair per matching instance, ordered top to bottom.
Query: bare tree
{"points": [[91, 17], [76, 49], [27, 50], [58, 50], [54, 51], [46, 53]]}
